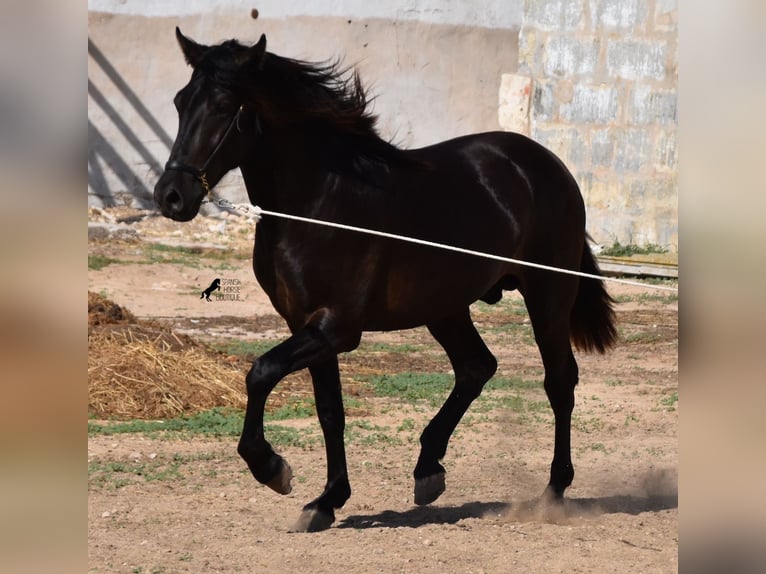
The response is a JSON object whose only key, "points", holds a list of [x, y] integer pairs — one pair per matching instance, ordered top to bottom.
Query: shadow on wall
{"points": [[110, 173]]}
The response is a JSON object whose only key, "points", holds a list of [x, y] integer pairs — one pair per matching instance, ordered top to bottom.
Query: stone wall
{"points": [[597, 83]]}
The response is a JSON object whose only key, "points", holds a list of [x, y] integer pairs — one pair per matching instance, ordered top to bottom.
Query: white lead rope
{"points": [[258, 212]]}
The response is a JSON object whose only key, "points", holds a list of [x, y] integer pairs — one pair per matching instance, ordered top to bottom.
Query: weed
{"points": [[619, 250], [189, 256], [96, 262], [647, 298], [642, 338], [390, 348], [251, 350], [512, 384], [413, 387], [670, 402], [293, 409], [630, 418], [217, 422], [406, 425], [587, 425], [282, 436], [114, 475]]}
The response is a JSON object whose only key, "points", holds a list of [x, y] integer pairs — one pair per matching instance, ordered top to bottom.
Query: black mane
{"points": [[326, 99]]}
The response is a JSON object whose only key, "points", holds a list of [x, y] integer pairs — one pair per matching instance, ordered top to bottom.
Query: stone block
{"points": [[554, 14], [618, 14], [666, 15], [527, 49], [567, 56], [636, 59], [514, 97], [592, 104], [544, 106], [652, 106], [566, 142], [634, 147], [601, 148], [666, 154], [601, 192]]}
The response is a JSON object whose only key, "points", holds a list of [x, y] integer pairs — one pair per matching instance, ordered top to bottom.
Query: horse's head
{"points": [[213, 118]]}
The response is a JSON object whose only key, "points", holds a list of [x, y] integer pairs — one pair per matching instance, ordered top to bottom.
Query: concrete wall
{"points": [[434, 66], [597, 83]]}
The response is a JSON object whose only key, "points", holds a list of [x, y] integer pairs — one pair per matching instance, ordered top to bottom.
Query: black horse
{"points": [[305, 142], [216, 284]]}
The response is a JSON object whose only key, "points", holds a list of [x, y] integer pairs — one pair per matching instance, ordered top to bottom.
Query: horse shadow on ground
{"points": [[570, 510]]}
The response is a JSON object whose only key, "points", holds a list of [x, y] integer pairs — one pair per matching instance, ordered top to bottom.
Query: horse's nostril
{"points": [[173, 199]]}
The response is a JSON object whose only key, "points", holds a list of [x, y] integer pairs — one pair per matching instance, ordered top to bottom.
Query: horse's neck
{"points": [[282, 175]]}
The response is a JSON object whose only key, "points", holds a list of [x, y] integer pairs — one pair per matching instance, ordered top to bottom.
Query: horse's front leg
{"points": [[299, 351], [319, 514]]}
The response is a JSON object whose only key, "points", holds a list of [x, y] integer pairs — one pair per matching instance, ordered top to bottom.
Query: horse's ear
{"points": [[192, 51], [255, 53]]}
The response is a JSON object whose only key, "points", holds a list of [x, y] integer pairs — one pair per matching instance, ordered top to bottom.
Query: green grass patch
{"points": [[617, 249], [190, 256], [96, 262], [647, 298], [506, 306], [641, 338], [375, 347], [248, 349], [512, 384], [413, 387], [433, 389], [670, 402], [294, 409], [217, 422], [360, 431], [282, 436], [117, 474]]}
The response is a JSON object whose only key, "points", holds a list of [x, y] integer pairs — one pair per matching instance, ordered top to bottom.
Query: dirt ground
{"points": [[193, 506]]}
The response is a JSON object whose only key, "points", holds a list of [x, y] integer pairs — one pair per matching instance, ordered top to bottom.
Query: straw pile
{"points": [[140, 369]]}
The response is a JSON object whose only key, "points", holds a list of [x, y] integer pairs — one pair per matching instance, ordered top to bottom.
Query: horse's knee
{"points": [[261, 378]]}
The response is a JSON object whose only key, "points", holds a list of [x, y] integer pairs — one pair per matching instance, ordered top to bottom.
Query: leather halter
{"points": [[201, 173]]}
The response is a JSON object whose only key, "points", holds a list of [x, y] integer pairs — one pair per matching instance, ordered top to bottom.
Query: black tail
{"points": [[593, 321]]}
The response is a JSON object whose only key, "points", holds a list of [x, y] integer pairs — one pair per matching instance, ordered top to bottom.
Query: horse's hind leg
{"points": [[549, 301], [473, 365], [319, 514]]}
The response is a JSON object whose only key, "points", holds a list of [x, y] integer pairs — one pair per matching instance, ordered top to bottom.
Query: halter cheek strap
{"points": [[201, 173]]}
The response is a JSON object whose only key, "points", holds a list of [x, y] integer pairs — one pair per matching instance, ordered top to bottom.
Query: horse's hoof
{"points": [[281, 481], [429, 488], [551, 496], [313, 520]]}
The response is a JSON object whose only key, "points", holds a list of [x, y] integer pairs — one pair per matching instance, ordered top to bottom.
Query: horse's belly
{"points": [[414, 299]]}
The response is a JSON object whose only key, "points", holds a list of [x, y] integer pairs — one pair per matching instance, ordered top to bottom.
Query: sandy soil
{"points": [[191, 506]]}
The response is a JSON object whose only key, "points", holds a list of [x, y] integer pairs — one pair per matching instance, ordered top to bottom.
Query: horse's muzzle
{"points": [[177, 195]]}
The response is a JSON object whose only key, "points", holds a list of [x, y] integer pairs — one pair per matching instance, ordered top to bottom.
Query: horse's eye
{"points": [[222, 108]]}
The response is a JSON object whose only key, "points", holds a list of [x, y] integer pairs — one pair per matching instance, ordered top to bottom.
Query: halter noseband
{"points": [[201, 173]]}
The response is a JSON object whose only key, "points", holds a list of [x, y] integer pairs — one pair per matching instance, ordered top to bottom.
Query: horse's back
{"points": [[499, 181]]}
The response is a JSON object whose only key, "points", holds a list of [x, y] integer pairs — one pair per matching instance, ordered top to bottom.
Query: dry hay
{"points": [[140, 369]]}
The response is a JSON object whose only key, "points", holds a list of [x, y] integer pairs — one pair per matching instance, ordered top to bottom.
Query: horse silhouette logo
{"points": [[216, 284]]}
